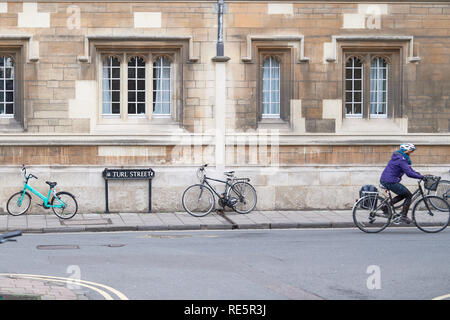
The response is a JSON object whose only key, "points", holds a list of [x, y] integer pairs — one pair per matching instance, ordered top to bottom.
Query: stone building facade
{"points": [[309, 101]]}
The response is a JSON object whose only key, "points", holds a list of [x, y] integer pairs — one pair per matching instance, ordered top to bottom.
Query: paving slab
{"points": [[82, 222]]}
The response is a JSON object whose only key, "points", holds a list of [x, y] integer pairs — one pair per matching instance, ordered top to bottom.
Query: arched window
{"points": [[354, 75], [111, 85], [6, 86], [136, 86], [161, 86], [378, 87], [271, 88]]}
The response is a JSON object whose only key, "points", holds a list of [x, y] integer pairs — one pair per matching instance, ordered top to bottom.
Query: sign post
{"points": [[129, 174]]}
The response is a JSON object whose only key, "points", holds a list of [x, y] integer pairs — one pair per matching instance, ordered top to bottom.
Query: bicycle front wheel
{"points": [[442, 191], [245, 196], [198, 200], [17, 204], [69, 205], [368, 214], [429, 214]]}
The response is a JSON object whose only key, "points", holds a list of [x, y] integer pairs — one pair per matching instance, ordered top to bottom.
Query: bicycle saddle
{"points": [[229, 173], [51, 184], [382, 187]]}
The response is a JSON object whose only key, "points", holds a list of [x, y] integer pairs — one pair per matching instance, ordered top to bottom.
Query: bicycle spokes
{"points": [[429, 214]]}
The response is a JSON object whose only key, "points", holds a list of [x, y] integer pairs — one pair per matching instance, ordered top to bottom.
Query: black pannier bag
{"points": [[371, 201]]}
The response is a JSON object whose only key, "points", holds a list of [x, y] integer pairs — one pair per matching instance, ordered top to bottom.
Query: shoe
{"points": [[406, 220]]}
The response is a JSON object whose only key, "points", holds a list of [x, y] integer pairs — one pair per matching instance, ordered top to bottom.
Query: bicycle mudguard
{"points": [[241, 179], [61, 192], [66, 193]]}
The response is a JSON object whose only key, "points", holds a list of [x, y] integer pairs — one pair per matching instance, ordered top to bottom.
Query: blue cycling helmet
{"points": [[407, 147]]}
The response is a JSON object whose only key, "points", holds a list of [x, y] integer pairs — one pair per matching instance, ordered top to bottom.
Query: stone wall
{"points": [[58, 34], [279, 156], [313, 158], [286, 188]]}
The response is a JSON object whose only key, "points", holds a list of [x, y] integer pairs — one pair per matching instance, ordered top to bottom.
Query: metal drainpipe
{"points": [[220, 48]]}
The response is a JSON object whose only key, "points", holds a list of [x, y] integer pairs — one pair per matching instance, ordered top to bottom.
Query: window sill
{"points": [[273, 124], [10, 125], [136, 125], [373, 125]]}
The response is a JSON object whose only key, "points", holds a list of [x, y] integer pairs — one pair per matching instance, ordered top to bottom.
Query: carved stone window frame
{"points": [[14, 50], [149, 51], [393, 54], [285, 56]]}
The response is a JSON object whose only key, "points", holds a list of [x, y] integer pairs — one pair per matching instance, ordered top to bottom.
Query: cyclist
{"points": [[400, 164]]}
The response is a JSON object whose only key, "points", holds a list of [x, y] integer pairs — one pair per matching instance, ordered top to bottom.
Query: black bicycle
{"points": [[199, 200], [373, 213]]}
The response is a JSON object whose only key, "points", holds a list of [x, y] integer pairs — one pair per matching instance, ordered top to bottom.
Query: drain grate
{"points": [[82, 222], [58, 247]]}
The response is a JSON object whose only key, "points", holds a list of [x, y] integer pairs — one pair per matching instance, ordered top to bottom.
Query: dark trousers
{"points": [[402, 193]]}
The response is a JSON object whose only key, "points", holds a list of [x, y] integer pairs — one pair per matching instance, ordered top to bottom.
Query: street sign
{"points": [[129, 174]]}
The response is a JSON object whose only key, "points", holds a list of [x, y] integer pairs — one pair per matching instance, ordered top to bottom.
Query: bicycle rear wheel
{"points": [[244, 194], [198, 200], [70, 205], [368, 214], [429, 216]]}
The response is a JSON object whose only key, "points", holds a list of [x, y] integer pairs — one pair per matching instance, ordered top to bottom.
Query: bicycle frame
{"points": [[227, 183], [40, 195], [415, 195]]}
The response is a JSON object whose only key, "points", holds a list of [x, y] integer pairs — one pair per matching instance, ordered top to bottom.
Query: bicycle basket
{"points": [[431, 182], [371, 193]]}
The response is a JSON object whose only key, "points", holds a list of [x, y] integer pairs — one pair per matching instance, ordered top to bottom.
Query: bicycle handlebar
{"points": [[24, 170]]}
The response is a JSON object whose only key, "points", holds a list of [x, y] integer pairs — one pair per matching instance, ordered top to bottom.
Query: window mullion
{"points": [[149, 87], [124, 88]]}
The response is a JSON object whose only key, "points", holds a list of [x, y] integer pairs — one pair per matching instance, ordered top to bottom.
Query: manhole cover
{"points": [[79, 222], [167, 236], [115, 245], [58, 247]]}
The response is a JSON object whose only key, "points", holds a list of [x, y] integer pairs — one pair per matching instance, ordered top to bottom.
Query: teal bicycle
{"points": [[62, 203]]}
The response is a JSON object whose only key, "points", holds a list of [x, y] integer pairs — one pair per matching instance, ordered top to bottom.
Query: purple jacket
{"points": [[396, 167]]}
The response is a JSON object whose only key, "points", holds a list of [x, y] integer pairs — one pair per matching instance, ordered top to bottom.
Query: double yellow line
{"points": [[87, 284], [444, 297]]}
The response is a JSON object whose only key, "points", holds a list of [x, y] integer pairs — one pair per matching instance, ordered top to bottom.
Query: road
{"points": [[242, 264]]}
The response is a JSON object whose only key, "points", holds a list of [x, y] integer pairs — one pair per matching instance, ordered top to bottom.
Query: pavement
{"points": [[91, 222]]}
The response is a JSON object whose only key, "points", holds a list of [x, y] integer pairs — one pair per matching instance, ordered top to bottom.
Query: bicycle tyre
{"points": [[443, 189], [232, 193], [67, 198], [188, 200], [11, 201], [423, 214], [365, 216]]}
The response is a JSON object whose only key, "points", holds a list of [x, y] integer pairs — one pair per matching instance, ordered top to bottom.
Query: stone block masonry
{"points": [[312, 156]]}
